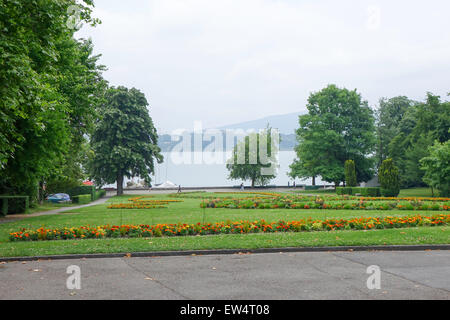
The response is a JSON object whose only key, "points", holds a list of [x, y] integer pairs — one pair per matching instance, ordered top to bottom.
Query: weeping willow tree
{"points": [[255, 158]]}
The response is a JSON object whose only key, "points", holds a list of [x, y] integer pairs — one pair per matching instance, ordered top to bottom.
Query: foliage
{"points": [[50, 86], [389, 116], [338, 126], [412, 132], [124, 141], [251, 162], [437, 168], [350, 173], [389, 179], [81, 190], [366, 192], [82, 199]]}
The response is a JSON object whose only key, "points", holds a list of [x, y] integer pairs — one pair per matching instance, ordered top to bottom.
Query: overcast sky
{"points": [[229, 61]]}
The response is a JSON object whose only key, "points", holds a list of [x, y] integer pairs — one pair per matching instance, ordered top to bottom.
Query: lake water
{"points": [[196, 169]]}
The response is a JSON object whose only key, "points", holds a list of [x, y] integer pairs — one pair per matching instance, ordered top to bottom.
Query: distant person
{"points": [[289, 184], [294, 184], [242, 187], [179, 189]]}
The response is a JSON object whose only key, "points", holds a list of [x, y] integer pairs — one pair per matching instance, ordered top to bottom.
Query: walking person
{"points": [[242, 186], [179, 188]]}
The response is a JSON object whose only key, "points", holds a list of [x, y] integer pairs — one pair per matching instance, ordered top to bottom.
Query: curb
{"points": [[230, 252]]}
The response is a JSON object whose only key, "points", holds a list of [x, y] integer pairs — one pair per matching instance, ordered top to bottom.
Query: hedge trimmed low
{"points": [[81, 190], [365, 192], [99, 194], [82, 199]]}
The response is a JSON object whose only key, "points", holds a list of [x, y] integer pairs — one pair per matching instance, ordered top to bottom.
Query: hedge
{"points": [[313, 187], [81, 190], [86, 190], [366, 192], [99, 194], [82, 199], [14, 204]]}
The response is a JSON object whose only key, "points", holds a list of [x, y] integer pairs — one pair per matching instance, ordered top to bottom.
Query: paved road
{"points": [[404, 275]]}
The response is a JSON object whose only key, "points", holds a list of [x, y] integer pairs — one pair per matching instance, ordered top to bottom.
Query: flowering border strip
{"points": [[286, 202], [139, 203], [240, 227]]}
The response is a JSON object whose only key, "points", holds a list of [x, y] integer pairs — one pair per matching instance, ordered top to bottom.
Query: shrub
{"points": [[350, 173], [389, 179], [81, 190], [347, 191], [373, 192], [99, 194], [82, 199], [15, 205]]}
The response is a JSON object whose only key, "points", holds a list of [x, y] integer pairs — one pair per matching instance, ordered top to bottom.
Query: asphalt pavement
{"points": [[278, 276]]}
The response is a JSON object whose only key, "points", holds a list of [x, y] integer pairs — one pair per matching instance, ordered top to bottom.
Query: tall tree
{"points": [[38, 112], [389, 116], [421, 125], [338, 126], [125, 141], [251, 162], [306, 166], [437, 168], [350, 173], [389, 179]]}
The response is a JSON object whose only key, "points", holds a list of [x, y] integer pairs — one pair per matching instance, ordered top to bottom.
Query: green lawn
{"points": [[417, 192], [48, 206], [189, 211]]}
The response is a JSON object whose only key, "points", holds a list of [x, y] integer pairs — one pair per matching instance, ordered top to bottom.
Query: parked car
{"points": [[58, 198]]}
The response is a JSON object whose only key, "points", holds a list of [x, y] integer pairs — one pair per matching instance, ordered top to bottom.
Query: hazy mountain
{"points": [[286, 123]]}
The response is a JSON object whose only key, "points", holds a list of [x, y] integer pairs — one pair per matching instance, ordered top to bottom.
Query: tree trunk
{"points": [[314, 181], [253, 183], [120, 185], [41, 192]]}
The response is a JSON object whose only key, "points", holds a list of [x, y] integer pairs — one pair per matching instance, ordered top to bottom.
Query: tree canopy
{"points": [[51, 84], [339, 126], [407, 136], [124, 141], [255, 158], [437, 167]]}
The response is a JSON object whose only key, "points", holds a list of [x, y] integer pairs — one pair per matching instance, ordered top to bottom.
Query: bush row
{"points": [[81, 190], [365, 192], [99, 194], [82, 199]]}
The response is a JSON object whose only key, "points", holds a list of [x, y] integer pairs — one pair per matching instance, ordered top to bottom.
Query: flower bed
{"points": [[228, 195], [139, 203], [336, 203], [241, 227]]}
